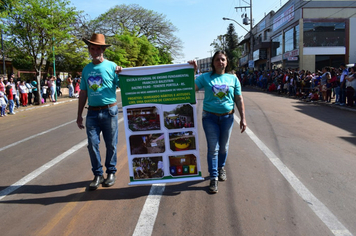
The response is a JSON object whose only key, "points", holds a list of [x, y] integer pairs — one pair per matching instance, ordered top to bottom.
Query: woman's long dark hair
{"points": [[212, 60]]}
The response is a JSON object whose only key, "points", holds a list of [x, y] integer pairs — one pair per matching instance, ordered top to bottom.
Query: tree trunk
{"points": [[38, 77]]}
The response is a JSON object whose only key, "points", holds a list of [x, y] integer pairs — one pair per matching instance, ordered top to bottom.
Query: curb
{"points": [[320, 103], [21, 109]]}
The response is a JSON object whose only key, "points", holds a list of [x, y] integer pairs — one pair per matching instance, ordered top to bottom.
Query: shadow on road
{"points": [[97, 195]]}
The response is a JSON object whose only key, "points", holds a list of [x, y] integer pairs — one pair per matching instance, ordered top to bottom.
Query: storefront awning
{"points": [[244, 41]]}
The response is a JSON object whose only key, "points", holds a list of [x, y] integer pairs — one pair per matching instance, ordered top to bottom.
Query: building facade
{"points": [[303, 34], [204, 65]]}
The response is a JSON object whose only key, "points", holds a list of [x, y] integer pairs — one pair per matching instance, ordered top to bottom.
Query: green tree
{"points": [[5, 6], [140, 23], [33, 24], [220, 43], [232, 49], [128, 50], [72, 56], [22, 61]]}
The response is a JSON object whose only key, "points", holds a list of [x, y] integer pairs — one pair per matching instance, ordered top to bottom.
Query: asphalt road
{"points": [[292, 173]]}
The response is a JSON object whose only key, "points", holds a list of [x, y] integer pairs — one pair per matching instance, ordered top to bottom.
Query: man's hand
{"points": [[118, 69], [80, 122]]}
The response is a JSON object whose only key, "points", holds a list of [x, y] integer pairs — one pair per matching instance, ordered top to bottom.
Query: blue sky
{"points": [[199, 21]]}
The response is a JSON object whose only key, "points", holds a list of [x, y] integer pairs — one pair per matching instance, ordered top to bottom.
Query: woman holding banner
{"points": [[222, 91]]}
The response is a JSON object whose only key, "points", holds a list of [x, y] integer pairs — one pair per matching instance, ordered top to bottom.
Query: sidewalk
{"points": [[65, 98], [62, 99], [320, 103]]}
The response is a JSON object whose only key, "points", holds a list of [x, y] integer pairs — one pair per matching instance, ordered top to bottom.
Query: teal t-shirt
{"points": [[100, 82], [34, 84], [219, 91]]}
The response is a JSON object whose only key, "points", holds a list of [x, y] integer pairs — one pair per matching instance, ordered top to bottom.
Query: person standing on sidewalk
{"points": [[58, 86], [70, 86], [2, 87], [98, 87], [351, 87], [14, 89], [52, 90], [23, 91], [222, 92], [36, 94], [342, 95], [10, 98], [2, 104]]}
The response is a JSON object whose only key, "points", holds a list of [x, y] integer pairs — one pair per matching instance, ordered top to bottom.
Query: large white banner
{"points": [[160, 124]]}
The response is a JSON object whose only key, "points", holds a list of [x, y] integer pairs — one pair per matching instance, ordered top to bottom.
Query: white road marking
{"points": [[45, 132], [34, 136], [40, 170], [149, 212], [329, 219], [144, 226]]}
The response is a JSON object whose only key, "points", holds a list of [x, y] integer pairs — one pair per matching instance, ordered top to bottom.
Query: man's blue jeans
{"points": [[105, 121], [217, 132]]}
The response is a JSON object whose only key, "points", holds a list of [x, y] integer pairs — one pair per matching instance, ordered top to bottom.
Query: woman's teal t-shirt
{"points": [[220, 91]]}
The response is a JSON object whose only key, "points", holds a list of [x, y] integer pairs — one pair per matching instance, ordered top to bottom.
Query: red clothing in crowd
{"points": [[10, 96]]}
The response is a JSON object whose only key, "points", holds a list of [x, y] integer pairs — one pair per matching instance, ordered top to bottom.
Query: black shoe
{"points": [[222, 174], [98, 179], [110, 180], [213, 187]]}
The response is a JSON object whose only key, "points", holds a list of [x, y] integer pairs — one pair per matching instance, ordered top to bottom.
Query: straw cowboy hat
{"points": [[97, 39]]}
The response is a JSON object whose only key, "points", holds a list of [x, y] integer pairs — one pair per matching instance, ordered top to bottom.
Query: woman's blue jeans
{"points": [[71, 90], [52, 93], [105, 121], [217, 132]]}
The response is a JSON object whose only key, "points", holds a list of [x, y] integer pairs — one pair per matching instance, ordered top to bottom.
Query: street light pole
{"points": [[225, 18], [251, 26], [251, 35]]}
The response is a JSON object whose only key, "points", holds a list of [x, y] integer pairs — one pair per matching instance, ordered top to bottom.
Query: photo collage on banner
{"points": [[161, 133]]}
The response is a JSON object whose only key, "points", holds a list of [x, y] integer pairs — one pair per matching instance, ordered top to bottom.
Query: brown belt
{"points": [[101, 108], [222, 114]]}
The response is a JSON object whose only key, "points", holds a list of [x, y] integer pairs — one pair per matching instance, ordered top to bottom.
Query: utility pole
{"points": [[247, 21], [211, 53], [54, 59]]}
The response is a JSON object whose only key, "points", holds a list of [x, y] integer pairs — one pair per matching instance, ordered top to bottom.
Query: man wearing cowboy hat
{"points": [[98, 86]]}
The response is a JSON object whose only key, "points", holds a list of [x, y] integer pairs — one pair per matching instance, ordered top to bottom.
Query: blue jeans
{"points": [[71, 90], [52, 93], [337, 93], [342, 94], [16, 99], [11, 106], [105, 121], [217, 132]]}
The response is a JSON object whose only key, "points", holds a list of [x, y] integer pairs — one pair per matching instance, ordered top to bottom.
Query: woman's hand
{"points": [[194, 63]]}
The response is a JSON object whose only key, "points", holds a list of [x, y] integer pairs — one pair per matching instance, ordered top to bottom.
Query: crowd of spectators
{"points": [[325, 85], [16, 92]]}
